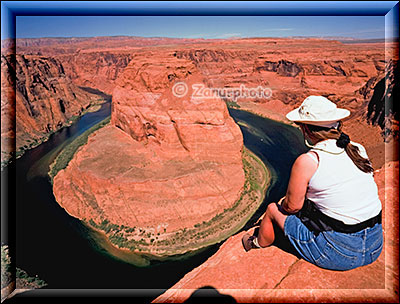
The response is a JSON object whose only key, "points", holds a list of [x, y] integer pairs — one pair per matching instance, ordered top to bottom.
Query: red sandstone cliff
{"points": [[95, 62], [97, 69], [349, 74], [40, 97], [7, 108], [143, 140], [164, 162], [272, 275]]}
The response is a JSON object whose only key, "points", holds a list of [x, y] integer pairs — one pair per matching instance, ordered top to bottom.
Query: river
{"points": [[58, 248]]}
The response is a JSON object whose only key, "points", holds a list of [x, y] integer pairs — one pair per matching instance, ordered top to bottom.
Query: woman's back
{"points": [[340, 182], [341, 190]]}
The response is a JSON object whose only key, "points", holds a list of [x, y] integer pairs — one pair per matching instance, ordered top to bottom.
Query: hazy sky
{"points": [[200, 26]]}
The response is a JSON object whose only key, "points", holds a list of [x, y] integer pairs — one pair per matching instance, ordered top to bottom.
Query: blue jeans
{"points": [[334, 250]]}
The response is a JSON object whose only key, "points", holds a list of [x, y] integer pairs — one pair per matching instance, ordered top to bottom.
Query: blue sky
{"points": [[364, 27]]}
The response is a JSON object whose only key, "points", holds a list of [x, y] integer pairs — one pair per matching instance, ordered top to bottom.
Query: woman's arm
{"points": [[303, 169]]}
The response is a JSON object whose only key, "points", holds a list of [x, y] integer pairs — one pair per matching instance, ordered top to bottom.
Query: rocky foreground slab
{"points": [[276, 275]]}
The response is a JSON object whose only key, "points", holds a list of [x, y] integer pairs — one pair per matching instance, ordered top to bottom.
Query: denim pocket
{"points": [[345, 242], [376, 252], [336, 258]]}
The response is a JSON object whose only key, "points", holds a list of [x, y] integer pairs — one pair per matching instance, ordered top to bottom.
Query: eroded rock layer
{"points": [[142, 72], [354, 74], [39, 96], [164, 162]]}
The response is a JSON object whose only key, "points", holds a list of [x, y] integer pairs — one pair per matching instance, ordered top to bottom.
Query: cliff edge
{"points": [[274, 275]]}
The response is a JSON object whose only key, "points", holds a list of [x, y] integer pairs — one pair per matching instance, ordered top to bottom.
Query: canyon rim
{"points": [[164, 166]]}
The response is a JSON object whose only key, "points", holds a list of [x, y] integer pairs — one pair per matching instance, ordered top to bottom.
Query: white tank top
{"points": [[341, 190]]}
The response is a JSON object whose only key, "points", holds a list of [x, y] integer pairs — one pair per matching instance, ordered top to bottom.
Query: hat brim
{"points": [[339, 115]]}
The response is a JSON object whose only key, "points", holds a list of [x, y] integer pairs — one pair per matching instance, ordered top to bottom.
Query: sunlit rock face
{"points": [[140, 73], [357, 76], [40, 98], [165, 161]]}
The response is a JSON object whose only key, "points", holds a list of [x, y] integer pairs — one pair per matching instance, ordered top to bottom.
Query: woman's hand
{"points": [[280, 206]]}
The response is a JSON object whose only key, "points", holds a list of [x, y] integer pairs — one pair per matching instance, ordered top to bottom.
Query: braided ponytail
{"points": [[342, 141]]}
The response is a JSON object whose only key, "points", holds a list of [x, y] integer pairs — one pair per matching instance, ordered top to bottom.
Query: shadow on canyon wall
{"points": [[106, 97], [381, 108]]}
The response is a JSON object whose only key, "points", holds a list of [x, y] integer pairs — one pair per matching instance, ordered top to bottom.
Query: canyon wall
{"points": [[95, 62], [95, 69], [347, 73], [358, 77], [40, 97], [7, 108], [155, 135], [169, 163]]}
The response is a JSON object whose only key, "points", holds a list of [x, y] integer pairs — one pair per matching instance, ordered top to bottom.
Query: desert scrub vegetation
{"points": [[232, 104], [65, 156], [218, 228], [6, 271], [24, 281]]}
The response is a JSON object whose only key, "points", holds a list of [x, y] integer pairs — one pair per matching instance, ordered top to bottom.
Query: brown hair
{"points": [[342, 140]]}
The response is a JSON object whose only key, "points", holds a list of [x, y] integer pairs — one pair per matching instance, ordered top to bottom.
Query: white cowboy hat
{"points": [[318, 111]]}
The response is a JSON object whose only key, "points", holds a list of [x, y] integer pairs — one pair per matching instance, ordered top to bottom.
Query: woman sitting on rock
{"points": [[331, 213]]}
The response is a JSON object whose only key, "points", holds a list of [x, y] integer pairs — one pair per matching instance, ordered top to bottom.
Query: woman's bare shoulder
{"points": [[306, 159], [305, 164]]}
